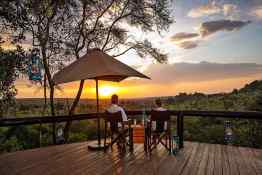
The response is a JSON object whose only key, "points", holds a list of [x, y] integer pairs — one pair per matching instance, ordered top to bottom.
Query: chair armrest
{"points": [[129, 121]]}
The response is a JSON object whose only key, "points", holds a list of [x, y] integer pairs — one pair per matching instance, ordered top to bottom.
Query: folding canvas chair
{"points": [[159, 132], [121, 135]]}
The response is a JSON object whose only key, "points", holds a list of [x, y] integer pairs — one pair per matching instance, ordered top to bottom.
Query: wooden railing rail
{"points": [[180, 118]]}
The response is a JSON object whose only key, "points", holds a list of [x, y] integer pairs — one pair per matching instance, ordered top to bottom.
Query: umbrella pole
{"points": [[97, 111], [97, 146]]}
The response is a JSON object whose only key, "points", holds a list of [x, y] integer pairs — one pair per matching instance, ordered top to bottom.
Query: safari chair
{"points": [[159, 134], [121, 135]]}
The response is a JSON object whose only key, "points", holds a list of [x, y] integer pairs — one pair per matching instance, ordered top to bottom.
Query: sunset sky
{"points": [[213, 46]]}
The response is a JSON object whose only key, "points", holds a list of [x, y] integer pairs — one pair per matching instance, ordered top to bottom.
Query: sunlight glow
{"points": [[106, 91]]}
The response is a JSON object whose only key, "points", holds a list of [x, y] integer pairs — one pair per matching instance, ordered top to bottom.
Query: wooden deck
{"points": [[195, 158]]}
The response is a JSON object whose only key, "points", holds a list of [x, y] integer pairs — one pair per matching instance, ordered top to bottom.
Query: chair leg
{"points": [[105, 136], [112, 138], [131, 140], [166, 140], [170, 144]]}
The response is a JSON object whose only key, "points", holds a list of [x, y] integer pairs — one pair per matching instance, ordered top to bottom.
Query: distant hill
{"points": [[254, 86], [237, 100]]}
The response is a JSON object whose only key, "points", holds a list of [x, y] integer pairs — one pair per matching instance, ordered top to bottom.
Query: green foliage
{"points": [[11, 64], [246, 132], [19, 137], [11, 145]]}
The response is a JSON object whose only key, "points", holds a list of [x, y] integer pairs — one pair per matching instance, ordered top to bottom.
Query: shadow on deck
{"points": [[195, 158]]}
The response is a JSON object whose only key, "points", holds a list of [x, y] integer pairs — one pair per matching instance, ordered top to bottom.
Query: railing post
{"points": [[178, 125], [180, 129], [40, 134]]}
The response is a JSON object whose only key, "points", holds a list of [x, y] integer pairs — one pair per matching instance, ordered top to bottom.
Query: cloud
{"points": [[213, 8], [228, 9], [205, 10], [256, 12], [210, 27], [183, 36], [188, 40], [188, 44], [199, 72]]}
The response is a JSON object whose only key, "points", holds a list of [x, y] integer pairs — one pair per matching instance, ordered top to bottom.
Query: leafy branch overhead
{"points": [[106, 25], [70, 28], [64, 30], [11, 64]]}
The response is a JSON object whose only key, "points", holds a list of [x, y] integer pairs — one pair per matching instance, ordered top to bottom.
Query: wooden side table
{"points": [[139, 135]]}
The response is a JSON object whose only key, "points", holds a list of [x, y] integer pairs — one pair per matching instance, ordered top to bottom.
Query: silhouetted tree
{"points": [[64, 30], [11, 63]]}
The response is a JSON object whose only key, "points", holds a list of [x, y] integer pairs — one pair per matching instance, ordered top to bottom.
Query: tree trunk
{"points": [[51, 85], [45, 96], [1, 109], [72, 109], [53, 112]]}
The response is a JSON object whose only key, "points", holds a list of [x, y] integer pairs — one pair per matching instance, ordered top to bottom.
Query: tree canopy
{"points": [[63, 30], [11, 64]]}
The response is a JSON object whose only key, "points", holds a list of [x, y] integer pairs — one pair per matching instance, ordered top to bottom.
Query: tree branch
{"points": [[114, 22], [96, 23], [122, 53]]}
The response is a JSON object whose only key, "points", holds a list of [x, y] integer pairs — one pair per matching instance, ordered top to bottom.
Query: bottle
{"points": [[144, 117]]}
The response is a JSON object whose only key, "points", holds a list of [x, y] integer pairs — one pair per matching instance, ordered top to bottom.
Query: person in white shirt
{"points": [[116, 108], [159, 108]]}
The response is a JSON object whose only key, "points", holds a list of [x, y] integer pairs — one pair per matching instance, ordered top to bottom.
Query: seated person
{"points": [[158, 107], [116, 108]]}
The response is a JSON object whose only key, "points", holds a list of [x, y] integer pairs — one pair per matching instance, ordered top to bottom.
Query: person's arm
{"points": [[124, 116]]}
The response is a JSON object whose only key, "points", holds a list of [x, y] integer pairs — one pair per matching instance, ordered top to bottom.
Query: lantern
{"points": [[35, 67], [228, 132]]}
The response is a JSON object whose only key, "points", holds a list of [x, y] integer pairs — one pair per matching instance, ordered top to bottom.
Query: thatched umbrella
{"points": [[96, 65]]}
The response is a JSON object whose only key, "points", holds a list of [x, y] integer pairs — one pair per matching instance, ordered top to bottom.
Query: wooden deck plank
{"points": [[194, 158], [257, 158], [197, 159], [129, 160], [180, 160], [191, 160], [211, 160], [225, 160], [204, 161], [218, 161], [232, 161], [20, 162], [54, 162], [249, 164], [242, 169]]}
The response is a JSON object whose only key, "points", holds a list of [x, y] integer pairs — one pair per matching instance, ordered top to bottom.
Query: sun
{"points": [[106, 91]]}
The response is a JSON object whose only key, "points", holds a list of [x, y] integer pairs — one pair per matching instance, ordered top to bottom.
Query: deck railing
{"points": [[179, 115]]}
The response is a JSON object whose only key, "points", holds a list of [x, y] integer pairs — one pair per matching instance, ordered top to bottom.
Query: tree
{"points": [[42, 20], [101, 25], [64, 30], [11, 63], [255, 126]]}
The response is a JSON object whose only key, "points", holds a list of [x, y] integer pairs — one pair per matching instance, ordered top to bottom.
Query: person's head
{"points": [[114, 99], [158, 102]]}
